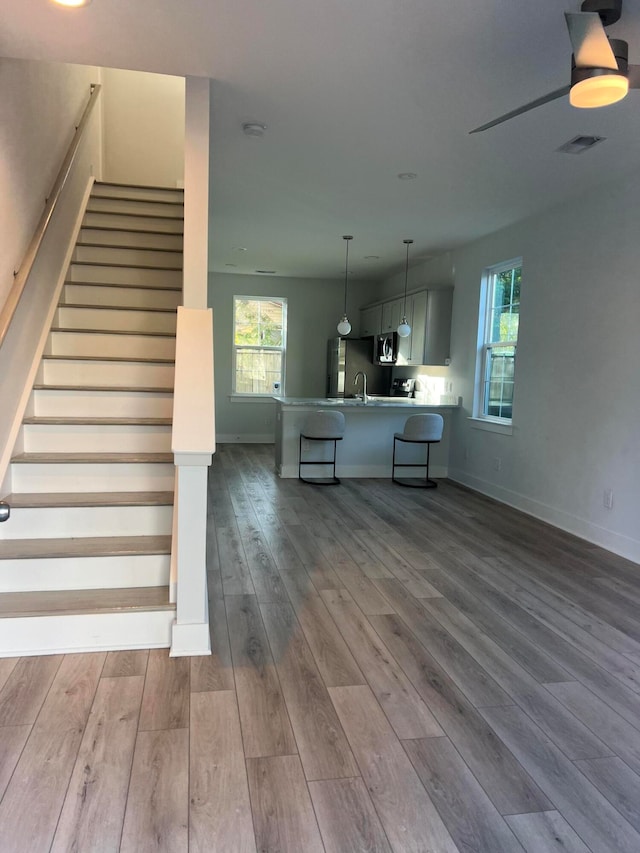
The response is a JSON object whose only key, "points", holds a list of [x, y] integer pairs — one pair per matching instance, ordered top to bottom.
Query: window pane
{"points": [[505, 305], [259, 322], [257, 370], [498, 383]]}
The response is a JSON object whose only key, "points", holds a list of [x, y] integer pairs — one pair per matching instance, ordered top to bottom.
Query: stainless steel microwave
{"points": [[385, 348]]}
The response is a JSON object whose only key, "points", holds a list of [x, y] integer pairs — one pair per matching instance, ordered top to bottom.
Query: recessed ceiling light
{"points": [[72, 3], [253, 128], [407, 176], [239, 248], [372, 257], [231, 265], [267, 272]]}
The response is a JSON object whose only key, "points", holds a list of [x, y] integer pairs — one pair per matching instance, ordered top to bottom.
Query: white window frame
{"points": [[250, 395], [485, 420]]}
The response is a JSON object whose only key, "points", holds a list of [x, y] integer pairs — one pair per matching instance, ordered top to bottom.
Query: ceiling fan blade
{"points": [[591, 48], [634, 76], [545, 99]]}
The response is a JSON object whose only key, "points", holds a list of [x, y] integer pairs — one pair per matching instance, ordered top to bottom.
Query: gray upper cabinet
{"points": [[429, 315], [370, 321]]}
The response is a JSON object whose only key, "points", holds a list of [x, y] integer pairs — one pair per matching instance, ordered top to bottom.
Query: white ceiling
{"points": [[354, 93]]}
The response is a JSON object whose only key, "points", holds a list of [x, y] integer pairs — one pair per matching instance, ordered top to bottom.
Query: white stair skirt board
{"points": [[143, 193], [159, 209], [143, 224], [134, 239], [128, 256], [125, 275], [120, 297], [120, 319], [108, 344], [107, 373], [105, 404], [106, 438], [92, 477], [77, 521], [115, 572], [94, 632], [190, 640]]}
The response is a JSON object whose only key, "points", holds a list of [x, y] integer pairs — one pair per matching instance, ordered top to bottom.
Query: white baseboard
{"points": [[230, 438], [619, 544]]}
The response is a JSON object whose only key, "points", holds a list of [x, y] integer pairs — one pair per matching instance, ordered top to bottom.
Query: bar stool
{"points": [[322, 426], [418, 429]]}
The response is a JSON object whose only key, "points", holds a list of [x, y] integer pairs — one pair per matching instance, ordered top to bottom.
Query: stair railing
{"points": [[21, 276]]}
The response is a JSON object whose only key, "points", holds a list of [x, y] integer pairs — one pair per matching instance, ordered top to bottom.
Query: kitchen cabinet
{"points": [[429, 315], [370, 321]]}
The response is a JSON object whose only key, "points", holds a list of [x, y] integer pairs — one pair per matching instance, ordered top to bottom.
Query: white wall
{"points": [[40, 103], [143, 128], [314, 308], [576, 418]]}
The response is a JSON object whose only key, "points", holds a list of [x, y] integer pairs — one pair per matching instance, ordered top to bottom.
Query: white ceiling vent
{"points": [[579, 144]]}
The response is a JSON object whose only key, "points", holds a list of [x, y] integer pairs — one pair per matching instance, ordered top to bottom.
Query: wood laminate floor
{"points": [[392, 670]]}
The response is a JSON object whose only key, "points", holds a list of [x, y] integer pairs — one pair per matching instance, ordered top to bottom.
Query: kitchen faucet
{"points": [[364, 383]]}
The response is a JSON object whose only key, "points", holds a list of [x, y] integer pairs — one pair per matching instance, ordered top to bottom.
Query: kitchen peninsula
{"points": [[367, 446]]}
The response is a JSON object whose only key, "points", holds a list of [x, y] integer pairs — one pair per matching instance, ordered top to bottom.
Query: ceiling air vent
{"points": [[579, 144]]}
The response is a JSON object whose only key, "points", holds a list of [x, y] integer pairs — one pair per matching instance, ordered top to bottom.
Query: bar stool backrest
{"points": [[324, 425], [424, 427]]}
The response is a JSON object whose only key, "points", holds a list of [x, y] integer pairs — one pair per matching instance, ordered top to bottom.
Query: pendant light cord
{"points": [[346, 273], [406, 276]]}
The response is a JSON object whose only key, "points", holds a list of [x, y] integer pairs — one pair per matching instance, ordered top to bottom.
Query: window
{"points": [[497, 340], [259, 344]]}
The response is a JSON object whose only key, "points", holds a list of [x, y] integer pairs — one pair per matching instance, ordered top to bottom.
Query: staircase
{"points": [[85, 556]]}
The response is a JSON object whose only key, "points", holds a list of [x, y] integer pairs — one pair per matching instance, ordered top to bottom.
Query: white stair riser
{"points": [[144, 193], [138, 208], [141, 223], [135, 239], [135, 257], [125, 275], [121, 297], [115, 319], [122, 346], [123, 374], [102, 404], [90, 438], [92, 477], [77, 522], [84, 573], [39, 635]]}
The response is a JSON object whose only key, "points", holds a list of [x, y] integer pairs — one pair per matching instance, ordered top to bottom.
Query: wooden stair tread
{"points": [[139, 186], [135, 198], [90, 209], [88, 245], [124, 266], [128, 286], [150, 309], [136, 332], [137, 359], [147, 389], [39, 419], [100, 458], [33, 500], [89, 546], [84, 601]]}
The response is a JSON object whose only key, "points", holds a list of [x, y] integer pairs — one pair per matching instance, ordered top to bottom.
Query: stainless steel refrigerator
{"points": [[345, 357]]}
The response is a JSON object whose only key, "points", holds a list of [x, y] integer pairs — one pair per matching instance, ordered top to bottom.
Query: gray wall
{"points": [[314, 309], [576, 419]]}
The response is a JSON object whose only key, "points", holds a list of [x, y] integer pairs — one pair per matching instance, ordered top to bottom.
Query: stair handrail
{"points": [[21, 276]]}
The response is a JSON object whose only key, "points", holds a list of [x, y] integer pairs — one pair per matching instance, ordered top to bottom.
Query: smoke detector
{"points": [[254, 128]]}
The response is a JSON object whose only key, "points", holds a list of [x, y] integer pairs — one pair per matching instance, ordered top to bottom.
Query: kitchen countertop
{"points": [[373, 402]]}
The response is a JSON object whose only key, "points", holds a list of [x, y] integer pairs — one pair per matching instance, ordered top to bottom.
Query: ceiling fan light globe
{"points": [[599, 91], [344, 326], [404, 329]]}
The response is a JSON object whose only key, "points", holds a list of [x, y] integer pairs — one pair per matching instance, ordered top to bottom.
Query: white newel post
{"points": [[193, 435]]}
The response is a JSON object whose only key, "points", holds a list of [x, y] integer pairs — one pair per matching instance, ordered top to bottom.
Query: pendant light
{"points": [[344, 326], [404, 329]]}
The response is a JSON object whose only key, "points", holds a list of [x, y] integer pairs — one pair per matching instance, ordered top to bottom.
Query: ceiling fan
{"points": [[600, 73]]}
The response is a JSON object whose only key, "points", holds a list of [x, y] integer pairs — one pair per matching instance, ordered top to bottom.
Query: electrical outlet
{"points": [[497, 464], [607, 498]]}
